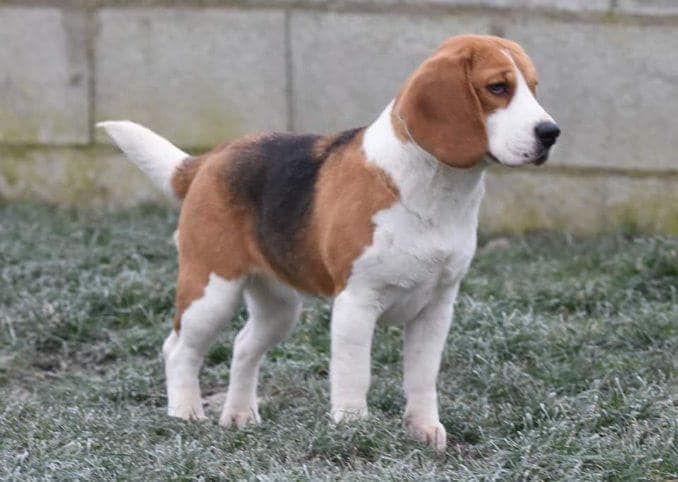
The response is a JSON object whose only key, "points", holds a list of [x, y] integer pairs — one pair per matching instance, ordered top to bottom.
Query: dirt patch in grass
{"points": [[561, 363]]}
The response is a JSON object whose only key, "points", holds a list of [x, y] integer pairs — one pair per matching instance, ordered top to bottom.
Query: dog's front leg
{"points": [[353, 321], [424, 343]]}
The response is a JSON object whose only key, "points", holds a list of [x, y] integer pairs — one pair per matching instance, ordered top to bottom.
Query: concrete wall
{"points": [[206, 71]]}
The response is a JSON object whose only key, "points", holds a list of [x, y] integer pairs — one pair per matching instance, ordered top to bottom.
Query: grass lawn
{"points": [[561, 363]]}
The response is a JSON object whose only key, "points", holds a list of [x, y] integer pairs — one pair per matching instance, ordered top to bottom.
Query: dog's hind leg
{"points": [[211, 306], [273, 309]]}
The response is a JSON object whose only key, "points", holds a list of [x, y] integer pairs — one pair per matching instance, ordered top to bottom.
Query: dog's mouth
{"points": [[538, 161]]}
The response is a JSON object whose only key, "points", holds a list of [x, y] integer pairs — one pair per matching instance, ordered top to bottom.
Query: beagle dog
{"points": [[380, 218]]}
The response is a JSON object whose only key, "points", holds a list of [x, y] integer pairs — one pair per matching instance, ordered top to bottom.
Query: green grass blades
{"points": [[561, 364]]}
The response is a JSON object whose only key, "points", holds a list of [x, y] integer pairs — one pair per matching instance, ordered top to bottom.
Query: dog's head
{"points": [[475, 98]]}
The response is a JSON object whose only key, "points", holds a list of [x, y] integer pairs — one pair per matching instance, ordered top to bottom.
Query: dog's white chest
{"points": [[413, 251], [412, 257]]}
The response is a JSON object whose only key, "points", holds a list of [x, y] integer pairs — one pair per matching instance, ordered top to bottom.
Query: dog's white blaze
{"points": [[510, 130], [156, 156]]}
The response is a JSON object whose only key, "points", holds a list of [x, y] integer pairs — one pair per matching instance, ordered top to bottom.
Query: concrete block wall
{"points": [[206, 71]]}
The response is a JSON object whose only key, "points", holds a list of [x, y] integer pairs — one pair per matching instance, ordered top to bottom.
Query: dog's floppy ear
{"points": [[441, 110]]}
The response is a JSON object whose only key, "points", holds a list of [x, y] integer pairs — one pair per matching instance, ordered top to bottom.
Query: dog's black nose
{"points": [[547, 132]]}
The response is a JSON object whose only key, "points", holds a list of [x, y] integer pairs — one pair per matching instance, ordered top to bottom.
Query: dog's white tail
{"points": [[154, 155]]}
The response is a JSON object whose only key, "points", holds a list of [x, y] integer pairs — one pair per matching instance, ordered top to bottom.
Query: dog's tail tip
{"points": [[113, 127], [157, 157]]}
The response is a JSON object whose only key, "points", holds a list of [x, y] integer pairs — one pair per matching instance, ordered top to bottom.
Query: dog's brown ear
{"points": [[441, 110]]}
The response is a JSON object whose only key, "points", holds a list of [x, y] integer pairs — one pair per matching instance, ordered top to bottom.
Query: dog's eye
{"points": [[500, 88]]}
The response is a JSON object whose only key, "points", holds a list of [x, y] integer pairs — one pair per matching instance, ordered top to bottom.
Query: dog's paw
{"points": [[185, 403], [187, 411], [349, 414], [239, 419], [432, 434]]}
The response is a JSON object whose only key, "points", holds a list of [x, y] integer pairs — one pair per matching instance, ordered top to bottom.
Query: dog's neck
{"points": [[426, 186]]}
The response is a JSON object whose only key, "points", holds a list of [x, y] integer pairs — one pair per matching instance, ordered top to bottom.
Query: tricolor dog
{"points": [[382, 219]]}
